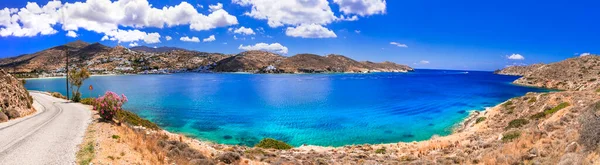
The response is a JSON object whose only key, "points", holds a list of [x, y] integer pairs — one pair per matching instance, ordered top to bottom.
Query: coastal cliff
{"points": [[100, 59], [579, 73], [15, 100]]}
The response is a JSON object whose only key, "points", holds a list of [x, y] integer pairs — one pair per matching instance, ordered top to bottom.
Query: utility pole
{"points": [[67, 56], [67, 70]]}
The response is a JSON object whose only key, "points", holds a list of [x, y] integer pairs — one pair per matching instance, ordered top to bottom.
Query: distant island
{"points": [[101, 59]]}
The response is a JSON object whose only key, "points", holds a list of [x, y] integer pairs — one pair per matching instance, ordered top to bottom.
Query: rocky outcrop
{"points": [[519, 70], [579, 73], [15, 101]]}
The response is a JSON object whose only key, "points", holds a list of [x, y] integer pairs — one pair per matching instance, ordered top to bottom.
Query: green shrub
{"points": [[598, 90], [58, 95], [76, 97], [533, 100], [88, 101], [508, 103], [555, 109], [549, 111], [538, 115], [133, 119], [479, 120], [516, 123], [116, 136], [509, 136], [274, 144], [380, 151], [86, 154]]}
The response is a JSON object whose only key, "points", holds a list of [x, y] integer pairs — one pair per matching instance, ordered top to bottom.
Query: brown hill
{"points": [[103, 59], [249, 61], [310, 63], [518, 70], [578, 73], [14, 99]]}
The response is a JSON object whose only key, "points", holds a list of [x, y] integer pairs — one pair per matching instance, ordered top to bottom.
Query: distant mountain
{"points": [[155, 50], [103, 59], [579, 73]]}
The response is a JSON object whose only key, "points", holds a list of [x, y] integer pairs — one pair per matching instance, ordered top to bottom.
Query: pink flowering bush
{"points": [[109, 105]]}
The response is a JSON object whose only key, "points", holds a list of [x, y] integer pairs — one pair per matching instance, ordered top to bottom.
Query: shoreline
{"points": [[323, 73], [470, 142]]}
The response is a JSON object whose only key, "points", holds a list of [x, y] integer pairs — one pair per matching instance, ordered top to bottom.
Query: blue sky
{"points": [[464, 35]]}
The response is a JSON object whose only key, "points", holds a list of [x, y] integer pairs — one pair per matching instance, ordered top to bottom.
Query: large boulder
{"points": [[15, 100], [3, 117]]}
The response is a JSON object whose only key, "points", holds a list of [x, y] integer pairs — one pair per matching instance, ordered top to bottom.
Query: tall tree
{"points": [[76, 78]]}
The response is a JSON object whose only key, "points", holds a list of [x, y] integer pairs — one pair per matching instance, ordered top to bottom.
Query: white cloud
{"points": [[216, 7], [361, 7], [289, 12], [104, 16], [350, 18], [30, 20], [244, 31], [310, 31], [357, 31], [71, 34], [131, 35], [168, 38], [235, 38], [188, 39], [209, 39], [133, 44], [399, 44], [155, 47], [274, 47], [584, 54], [515, 57], [423, 62]]}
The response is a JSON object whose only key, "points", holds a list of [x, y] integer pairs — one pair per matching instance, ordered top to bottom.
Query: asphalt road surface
{"points": [[50, 136]]}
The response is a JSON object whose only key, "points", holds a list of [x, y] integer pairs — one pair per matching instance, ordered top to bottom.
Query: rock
{"points": [[15, 99], [3, 117], [571, 147], [174, 152], [532, 153], [229, 157], [570, 159], [201, 162]]}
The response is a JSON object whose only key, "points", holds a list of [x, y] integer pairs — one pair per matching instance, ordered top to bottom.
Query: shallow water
{"points": [[317, 109]]}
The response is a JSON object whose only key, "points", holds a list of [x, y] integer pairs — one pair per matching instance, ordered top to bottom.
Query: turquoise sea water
{"points": [[316, 109]]}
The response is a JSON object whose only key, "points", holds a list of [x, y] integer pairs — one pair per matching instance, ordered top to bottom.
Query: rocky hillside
{"points": [[155, 50], [101, 59], [249, 61], [518, 70], [580, 73], [14, 98]]}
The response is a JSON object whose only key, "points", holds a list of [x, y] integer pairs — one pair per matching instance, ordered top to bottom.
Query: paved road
{"points": [[50, 136]]}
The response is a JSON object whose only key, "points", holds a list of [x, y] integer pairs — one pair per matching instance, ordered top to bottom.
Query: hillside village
{"points": [[100, 59]]}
